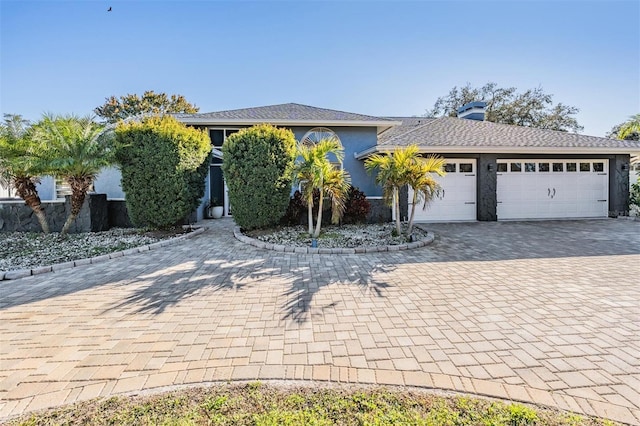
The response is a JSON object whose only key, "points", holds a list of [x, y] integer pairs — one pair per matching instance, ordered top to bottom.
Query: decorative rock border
{"points": [[324, 250], [23, 273]]}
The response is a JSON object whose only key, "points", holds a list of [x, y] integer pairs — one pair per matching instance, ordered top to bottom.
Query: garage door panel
{"points": [[543, 189], [457, 198]]}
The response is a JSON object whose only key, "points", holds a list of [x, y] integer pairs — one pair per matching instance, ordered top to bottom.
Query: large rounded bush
{"points": [[164, 164], [258, 166]]}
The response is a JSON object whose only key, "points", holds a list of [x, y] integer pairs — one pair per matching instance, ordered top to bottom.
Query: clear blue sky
{"points": [[377, 58]]}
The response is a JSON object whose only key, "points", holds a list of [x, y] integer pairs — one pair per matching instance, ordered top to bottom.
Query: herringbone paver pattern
{"points": [[545, 312]]}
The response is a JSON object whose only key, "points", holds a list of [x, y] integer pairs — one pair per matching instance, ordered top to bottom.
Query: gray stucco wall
{"points": [[354, 139], [619, 185], [487, 187]]}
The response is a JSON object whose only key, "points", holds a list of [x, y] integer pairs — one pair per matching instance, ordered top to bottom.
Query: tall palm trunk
{"points": [[79, 187], [26, 189], [396, 202], [413, 211], [310, 214], [319, 219]]}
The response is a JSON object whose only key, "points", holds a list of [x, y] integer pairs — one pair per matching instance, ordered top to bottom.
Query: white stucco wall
{"points": [[108, 182]]}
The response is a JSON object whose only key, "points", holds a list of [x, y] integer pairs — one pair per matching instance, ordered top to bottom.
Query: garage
{"points": [[549, 189], [457, 198]]}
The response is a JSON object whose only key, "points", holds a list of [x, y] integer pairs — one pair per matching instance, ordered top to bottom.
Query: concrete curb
{"points": [[324, 250], [23, 273]]}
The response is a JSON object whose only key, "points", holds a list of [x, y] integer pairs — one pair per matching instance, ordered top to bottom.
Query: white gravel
{"points": [[345, 236], [24, 250]]}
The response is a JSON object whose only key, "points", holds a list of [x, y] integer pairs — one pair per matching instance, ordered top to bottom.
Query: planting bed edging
{"points": [[338, 250], [37, 270]]}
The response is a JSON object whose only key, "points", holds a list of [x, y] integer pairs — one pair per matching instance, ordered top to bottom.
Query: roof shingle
{"points": [[284, 112], [460, 132]]}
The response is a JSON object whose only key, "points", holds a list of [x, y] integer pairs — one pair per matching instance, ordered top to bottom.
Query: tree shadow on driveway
{"points": [[249, 271]]}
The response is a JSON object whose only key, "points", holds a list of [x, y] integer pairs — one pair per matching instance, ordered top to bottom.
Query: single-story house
{"points": [[494, 171]]}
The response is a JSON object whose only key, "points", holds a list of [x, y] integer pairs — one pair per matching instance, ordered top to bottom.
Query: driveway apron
{"points": [[542, 312]]}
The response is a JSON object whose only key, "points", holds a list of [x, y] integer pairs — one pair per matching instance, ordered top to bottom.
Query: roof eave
{"points": [[380, 125], [498, 150]]}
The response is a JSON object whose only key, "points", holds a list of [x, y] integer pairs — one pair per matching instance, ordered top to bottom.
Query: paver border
{"points": [[237, 233], [23, 273], [329, 376]]}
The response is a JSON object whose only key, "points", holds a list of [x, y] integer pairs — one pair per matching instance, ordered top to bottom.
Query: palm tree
{"points": [[630, 126], [79, 149], [22, 162], [402, 167], [314, 171], [392, 176], [335, 184], [423, 184]]}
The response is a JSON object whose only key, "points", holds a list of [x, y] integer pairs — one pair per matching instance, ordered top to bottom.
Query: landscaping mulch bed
{"points": [[345, 236], [24, 250]]}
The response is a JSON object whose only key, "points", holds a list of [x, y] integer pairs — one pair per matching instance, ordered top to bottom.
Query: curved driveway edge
{"points": [[23, 273], [540, 312]]}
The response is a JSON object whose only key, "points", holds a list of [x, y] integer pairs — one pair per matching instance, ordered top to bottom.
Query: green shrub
{"points": [[163, 164], [257, 166], [635, 193], [356, 207], [295, 210]]}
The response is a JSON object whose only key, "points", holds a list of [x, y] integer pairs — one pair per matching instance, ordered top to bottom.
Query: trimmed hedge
{"points": [[164, 165], [258, 167]]}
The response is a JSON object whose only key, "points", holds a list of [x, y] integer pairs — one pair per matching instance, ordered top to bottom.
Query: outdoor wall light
{"points": [[491, 167], [625, 167]]}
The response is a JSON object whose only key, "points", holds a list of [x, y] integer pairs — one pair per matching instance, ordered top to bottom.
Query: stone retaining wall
{"points": [[17, 216]]}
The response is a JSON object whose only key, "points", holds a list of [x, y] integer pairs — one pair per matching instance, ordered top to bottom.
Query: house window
{"points": [[317, 134], [450, 167], [502, 167], [516, 167], [529, 167], [543, 167], [558, 167], [572, 167], [585, 167], [598, 167], [466, 168], [62, 188]]}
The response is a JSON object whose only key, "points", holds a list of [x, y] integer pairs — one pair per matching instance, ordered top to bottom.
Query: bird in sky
{"points": [[109, 10]]}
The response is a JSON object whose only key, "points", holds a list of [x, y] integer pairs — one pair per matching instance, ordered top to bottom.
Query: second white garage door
{"points": [[545, 189], [457, 199]]}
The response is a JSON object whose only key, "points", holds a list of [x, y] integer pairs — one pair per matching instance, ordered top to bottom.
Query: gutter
{"points": [[498, 150]]}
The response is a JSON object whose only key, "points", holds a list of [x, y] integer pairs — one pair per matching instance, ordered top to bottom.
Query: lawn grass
{"points": [[259, 404]]}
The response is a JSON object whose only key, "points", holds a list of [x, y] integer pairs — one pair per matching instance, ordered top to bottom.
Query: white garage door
{"points": [[546, 189], [457, 199]]}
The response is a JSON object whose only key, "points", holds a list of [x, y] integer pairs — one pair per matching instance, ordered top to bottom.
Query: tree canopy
{"points": [[506, 105], [115, 109], [629, 130]]}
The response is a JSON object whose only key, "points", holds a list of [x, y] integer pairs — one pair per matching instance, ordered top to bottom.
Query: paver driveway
{"points": [[546, 312]]}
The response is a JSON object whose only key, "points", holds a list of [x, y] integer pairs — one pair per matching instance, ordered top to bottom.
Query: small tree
{"points": [[115, 109], [77, 151], [22, 162], [163, 164], [258, 166], [403, 167], [315, 172], [423, 184]]}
